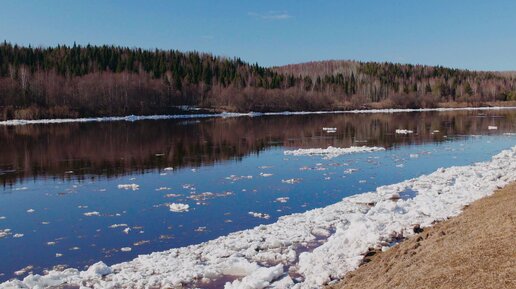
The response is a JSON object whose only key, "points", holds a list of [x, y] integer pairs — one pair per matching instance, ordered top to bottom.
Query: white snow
{"points": [[132, 118], [492, 127], [332, 152], [133, 187], [178, 207], [261, 256]]}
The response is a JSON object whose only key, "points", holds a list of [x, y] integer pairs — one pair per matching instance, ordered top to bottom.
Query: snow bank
{"points": [[132, 118], [332, 152], [332, 240]]}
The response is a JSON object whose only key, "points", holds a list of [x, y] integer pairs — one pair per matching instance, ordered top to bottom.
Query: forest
{"points": [[79, 81]]}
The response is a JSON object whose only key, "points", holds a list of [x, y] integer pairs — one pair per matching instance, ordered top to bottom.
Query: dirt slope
{"points": [[474, 250]]}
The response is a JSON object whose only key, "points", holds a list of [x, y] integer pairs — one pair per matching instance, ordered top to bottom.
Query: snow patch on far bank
{"points": [[132, 118], [332, 152], [269, 255]]}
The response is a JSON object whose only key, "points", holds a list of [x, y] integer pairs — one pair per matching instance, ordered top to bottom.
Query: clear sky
{"points": [[473, 34]]}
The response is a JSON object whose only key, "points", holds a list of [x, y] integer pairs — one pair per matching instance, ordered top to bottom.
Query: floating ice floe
{"points": [[404, 131], [332, 152], [168, 169], [350, 171], [265, 175], [235, 178], [292, 181], [133, 187], [172, 195], [282, 199], [178, 207], [30, 211], [91, 214], [260, 215], [114, 226], [4, 233], [18, 235], [317, 246], [126, 249], [23, 270]]}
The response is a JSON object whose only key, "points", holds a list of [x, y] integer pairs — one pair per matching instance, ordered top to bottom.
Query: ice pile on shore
{"points": [[332, 152], [293, 253]]}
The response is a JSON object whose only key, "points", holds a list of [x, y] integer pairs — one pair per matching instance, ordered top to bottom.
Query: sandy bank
{"points": [[473, 250]]}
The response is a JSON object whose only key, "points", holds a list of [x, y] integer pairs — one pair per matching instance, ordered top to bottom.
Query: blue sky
{"points": [[469, 34]]}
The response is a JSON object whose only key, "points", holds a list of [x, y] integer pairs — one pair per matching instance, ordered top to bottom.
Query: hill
{"points": [[73, 81]]}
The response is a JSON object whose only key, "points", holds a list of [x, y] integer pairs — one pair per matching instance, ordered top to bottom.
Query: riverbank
{"points": [[132, 118], [473, 250]]}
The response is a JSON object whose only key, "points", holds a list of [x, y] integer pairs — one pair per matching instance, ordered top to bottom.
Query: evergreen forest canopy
{"points": [[78, 81]]}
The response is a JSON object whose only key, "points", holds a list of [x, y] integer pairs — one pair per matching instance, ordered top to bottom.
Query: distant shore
{"points": [[131, 118], [473, 250]]}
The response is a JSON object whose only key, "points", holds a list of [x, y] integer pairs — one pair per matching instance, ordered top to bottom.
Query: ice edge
{"points": [[233, 114]]}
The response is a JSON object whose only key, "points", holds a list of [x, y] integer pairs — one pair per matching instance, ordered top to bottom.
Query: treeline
{"points": [[73, 81]]}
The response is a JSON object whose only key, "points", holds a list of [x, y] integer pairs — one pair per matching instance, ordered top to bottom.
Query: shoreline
{"points": [[132, 118], [303, 250], [472, 250]]}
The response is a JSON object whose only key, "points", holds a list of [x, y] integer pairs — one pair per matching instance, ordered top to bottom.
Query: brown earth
{"points": [[476, 249]]}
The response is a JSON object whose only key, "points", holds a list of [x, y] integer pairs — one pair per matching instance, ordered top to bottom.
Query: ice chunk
{"points": [[332, 152], [292, 181], [133, 187], [282, 199], [178, 207], [91, 214], [260, 215], [98, 269], [259, 279]]}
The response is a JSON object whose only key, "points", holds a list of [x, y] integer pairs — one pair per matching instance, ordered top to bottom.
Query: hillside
{"points": [[75, 81]]}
